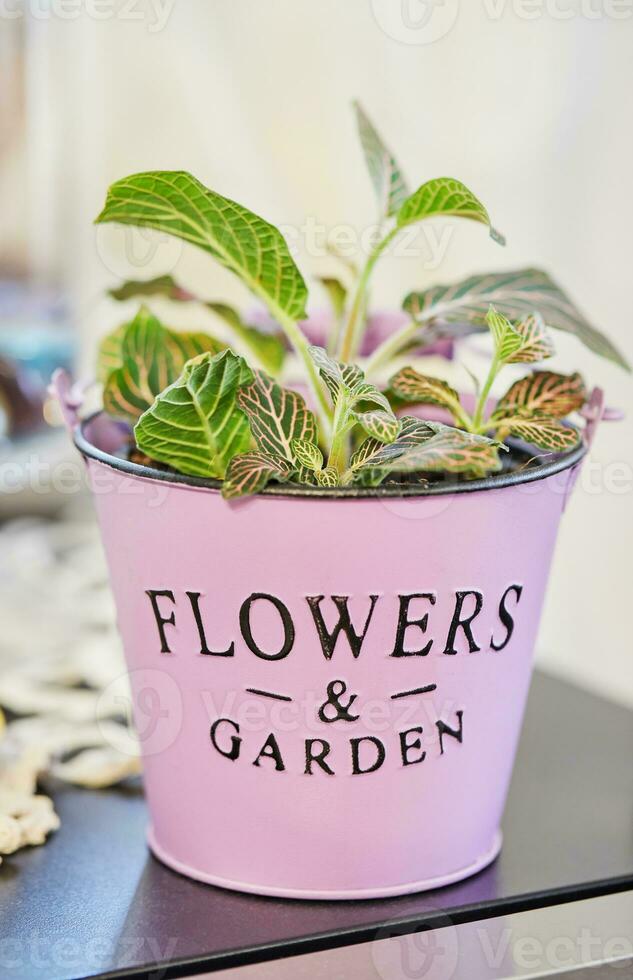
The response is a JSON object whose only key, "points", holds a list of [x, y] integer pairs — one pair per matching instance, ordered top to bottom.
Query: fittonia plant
{"points": [[202, 409]]}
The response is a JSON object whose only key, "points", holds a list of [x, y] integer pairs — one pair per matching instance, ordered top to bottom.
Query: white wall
{"points": [[533, 114]]}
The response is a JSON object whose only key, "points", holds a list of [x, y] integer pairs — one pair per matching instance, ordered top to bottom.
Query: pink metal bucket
{"points": [[328, 688]]}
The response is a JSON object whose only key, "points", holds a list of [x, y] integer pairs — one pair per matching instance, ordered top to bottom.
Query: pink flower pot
{"points": [[328, 686]]}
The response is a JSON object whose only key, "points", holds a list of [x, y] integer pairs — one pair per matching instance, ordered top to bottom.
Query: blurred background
{"points": [[525, 101]]}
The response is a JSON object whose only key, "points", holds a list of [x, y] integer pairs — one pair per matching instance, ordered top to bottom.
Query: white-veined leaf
{"points": [[386, 176], [444, 197], [176, 203], [516, 294], [506, 339], [276, 416], [378, 424], [195, 425], [307, 454], [250, 472], [327, 477]]}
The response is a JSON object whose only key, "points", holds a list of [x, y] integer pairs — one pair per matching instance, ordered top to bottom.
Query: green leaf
{"points": [[386, 176], [444, 197], [176, 203], [160, 286], [515, 294], [506, 339], [269, 348], [140, 358], [149, 363], [421, 389], [543, 392], [277, 416], [195, 425], [543, 431], [307, 454], [250, 472], [327, 477]]}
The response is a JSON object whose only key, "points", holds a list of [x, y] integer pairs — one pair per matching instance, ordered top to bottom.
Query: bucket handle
{"points": [[69, 396], [594, 412]]}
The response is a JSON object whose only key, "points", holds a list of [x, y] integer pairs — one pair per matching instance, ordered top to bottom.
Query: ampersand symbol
{"points": [[335, 691]]}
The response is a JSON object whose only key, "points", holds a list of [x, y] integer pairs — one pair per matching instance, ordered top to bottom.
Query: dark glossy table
{"points": [[94, 903]]}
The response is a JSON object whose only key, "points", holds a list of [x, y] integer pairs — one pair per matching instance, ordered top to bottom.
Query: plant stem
{"points": [[352, 334], [300, 344], [478, 417], [338, 449]]}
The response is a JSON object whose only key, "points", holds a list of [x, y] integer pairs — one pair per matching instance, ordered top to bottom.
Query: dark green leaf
{"points": [[195, 425]]}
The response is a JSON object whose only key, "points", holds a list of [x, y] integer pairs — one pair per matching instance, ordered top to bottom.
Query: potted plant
{"points": [[329, 596]]}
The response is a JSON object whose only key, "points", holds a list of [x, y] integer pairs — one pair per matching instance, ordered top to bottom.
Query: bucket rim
{"points": [[495, 481]]}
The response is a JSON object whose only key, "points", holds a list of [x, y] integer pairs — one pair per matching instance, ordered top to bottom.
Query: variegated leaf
{"points": [[386, 176], [444, 197], [176, 203], [515, 294], [506, 339], [536, 343], [149, 362], [335, 374], [421, 389], [545, 392], [276, 416], [195, 425], [381, 425], [543, 431], [435, 447], [452, 451], [373, 453], [307, 454], [250, 472], [327, 477]]}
